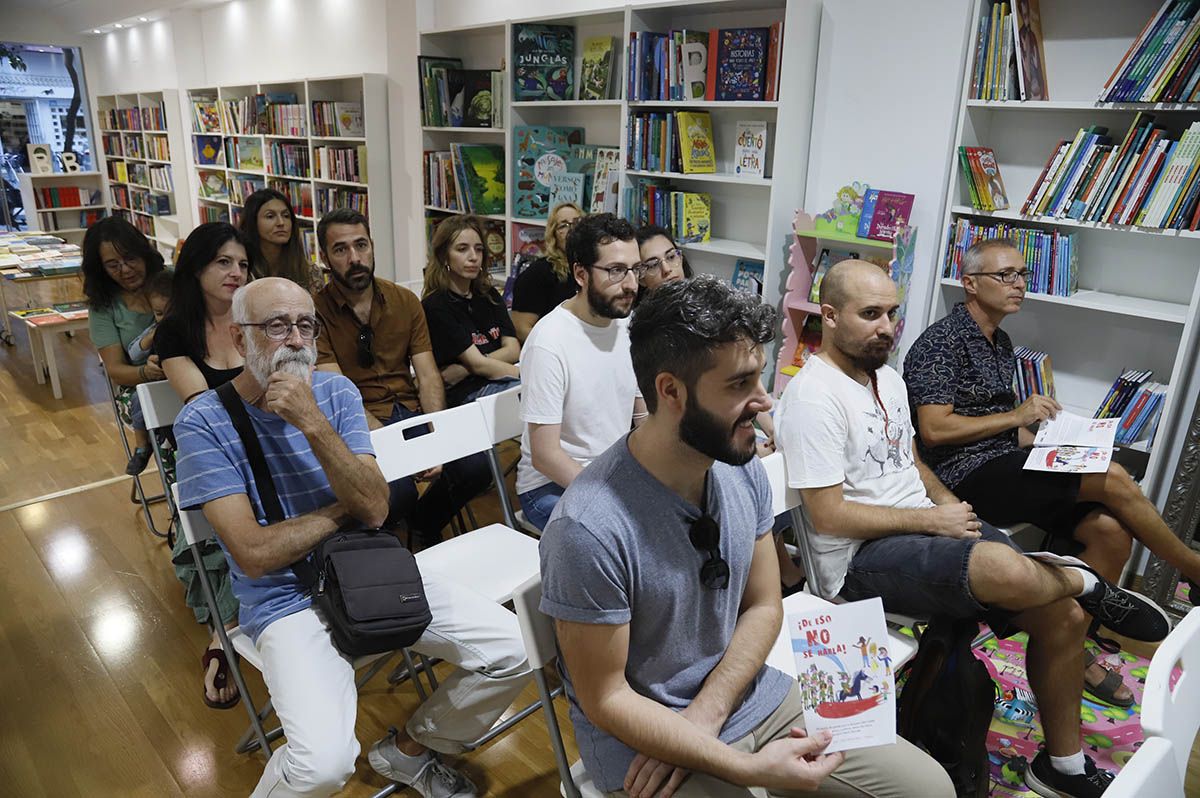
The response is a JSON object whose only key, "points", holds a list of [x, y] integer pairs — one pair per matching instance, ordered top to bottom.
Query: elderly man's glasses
{"points": [[1008, 276], [280, 329]]}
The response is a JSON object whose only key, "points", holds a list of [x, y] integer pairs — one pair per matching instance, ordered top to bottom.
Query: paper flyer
{"points": [[845, 673]]}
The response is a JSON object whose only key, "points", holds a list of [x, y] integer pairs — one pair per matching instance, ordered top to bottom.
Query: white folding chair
{"points": [[160, 406], [502, 411], [139, 490], [1174, 713], [1149, 773]]}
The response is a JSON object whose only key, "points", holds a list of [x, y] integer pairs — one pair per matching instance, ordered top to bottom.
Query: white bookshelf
{"points": [[132, 146], [312, 195], [751, 217], [60, 219], [1138, 296]]}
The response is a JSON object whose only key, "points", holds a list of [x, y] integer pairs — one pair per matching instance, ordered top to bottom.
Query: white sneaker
{"points": [[425, 774]]}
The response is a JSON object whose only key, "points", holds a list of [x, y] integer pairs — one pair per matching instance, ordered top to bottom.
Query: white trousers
{"points": [[312, 687]]}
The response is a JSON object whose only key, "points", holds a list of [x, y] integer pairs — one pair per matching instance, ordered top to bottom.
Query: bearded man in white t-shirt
{"points": [[579, 394], [888, 527]]}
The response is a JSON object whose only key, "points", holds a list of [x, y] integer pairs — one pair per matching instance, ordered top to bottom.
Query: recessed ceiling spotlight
{"points": [[143, 19], [118, 25], [95, 30]]}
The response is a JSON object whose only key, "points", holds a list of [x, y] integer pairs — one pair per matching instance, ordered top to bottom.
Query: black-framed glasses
{"points": [[671, 256], [618, 273], [1008, 276], [279, 329], [366, 346], [705, 535]]}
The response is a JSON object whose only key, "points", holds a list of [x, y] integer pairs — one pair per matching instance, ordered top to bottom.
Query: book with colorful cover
{"points": [[1030, 50], [543, 62], [741, 63], [694, 64], [595, 72], [470, 92], [206, 116], [349, 119], [696, 142], [208, 150], [750, 150], [539, 152], [249, 153], [481, 176], [606, 182], [992, 183], [566, 187], [870, 199], [893, 209], [694, 220], [748, 276], [29, 313], [47, 319], [1072, 444]]}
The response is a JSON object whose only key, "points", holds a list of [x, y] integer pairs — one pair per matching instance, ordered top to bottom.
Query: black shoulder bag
{"points": [[364, 581]]}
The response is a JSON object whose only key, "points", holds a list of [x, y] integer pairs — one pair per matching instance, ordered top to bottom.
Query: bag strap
{"points": [[267, 494]]}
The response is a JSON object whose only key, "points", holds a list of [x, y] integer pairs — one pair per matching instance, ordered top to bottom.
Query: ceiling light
{"points": [[143, 19], [118, 25], [95, 30]]}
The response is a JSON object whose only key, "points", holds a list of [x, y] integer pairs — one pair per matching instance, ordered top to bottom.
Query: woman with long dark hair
{"points": [[272, 239], [118, 262], [468, 323]]}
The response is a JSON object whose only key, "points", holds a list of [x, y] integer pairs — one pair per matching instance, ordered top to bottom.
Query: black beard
{"points": [[352, 275], [608, 309], [705, 433]]}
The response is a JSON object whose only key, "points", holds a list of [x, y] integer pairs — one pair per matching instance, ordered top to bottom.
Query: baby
{"points": [[158, 294]]}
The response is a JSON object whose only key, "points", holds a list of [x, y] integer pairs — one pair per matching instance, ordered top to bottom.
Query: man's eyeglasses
{"points": [[670, 257], [617, 273], [1008, 276], [280, 329], [366, 346], [705, 536]]}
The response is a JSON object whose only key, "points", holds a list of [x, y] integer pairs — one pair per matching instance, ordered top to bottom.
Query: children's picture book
{"points": [[1030, 51], [543, 62], [694, 63], [739, 70], [595, 73], [470, 92], [349, 119], [696, 142], [208, 149], [750, 151], [249, 153], [538, 153], [481, 176], [606, 182], [212, 185], [566, 187], [893, 209], [868, 212], [695, 221], [748, 276], [1072, 444], [845, 673]]}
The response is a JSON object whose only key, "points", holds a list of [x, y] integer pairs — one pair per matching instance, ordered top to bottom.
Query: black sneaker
{"points": [[137, 463], [1193, 592], [1124, 612], [1043, 779]]}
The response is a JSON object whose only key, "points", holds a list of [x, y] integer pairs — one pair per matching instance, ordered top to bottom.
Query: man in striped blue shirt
{"points": [[314, 436]]}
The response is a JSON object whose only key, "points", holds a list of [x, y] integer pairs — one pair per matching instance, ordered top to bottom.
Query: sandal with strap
{"points": [[219, 680], [1106, 691]]}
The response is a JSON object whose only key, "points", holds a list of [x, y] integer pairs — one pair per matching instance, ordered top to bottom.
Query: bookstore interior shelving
{"points": [[323, 143], [141, 144], [63, 203], [750, 216], [1138, 295]]}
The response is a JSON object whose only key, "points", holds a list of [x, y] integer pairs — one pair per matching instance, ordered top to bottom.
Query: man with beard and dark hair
{"points": [[377, 336], [578, 389], [314, 436], [887, 526], [660, 571]]}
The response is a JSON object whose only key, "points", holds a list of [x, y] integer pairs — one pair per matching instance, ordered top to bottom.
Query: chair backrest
{"points": [[160, 403], [502, 412], [454, 434], [783, 498], [789, 500], [194, 525], [537, 628], [1173, 713], [1149, 772]]}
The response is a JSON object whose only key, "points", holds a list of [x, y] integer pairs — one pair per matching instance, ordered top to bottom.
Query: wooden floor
{"points": [[99, 657]]}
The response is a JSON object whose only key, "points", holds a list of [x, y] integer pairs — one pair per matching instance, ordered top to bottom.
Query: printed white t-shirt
{"points": [[580, 376], [833, 430]]}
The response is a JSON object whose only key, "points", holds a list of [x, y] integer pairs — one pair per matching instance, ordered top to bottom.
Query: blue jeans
{"points": [[491, 387], [537, 504]]}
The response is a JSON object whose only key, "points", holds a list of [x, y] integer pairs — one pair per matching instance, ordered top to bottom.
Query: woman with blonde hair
{"points": [[547, 282], [468, 323]]}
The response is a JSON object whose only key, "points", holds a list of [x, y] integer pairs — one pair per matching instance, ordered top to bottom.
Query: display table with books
{"points": [[27, 258], [43, 325]]}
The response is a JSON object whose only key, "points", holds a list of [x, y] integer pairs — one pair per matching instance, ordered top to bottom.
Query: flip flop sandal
{"points": [[219, 680], [1106, 691]]}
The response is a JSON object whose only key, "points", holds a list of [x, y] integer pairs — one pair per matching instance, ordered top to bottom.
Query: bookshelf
{"points": [[141, 146], [298, 148], [63, 203], [751, 217], [1138, 296]]}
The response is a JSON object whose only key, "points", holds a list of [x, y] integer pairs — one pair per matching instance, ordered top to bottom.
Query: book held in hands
{"points": [[1071, 444]]}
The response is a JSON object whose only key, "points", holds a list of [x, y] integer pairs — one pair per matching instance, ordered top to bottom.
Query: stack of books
{"points": [[1010, 59], [1163, 63], [726, 64], [455, 97], [121, 119], [337, 119], [681, 141], [289, 159], [348, 164], [981, 173], [470, 178], [1148, 180], [298, 194], [329, 198], [688, 215], [24, 256], [1051, 256], [1033, 375], [1135, 400]]}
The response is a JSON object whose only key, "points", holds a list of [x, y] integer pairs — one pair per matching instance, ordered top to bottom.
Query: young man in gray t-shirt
{"points": [[659, 570]]}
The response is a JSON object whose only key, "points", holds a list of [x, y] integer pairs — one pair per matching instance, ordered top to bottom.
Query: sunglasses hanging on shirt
{"points": [[705, 536]]}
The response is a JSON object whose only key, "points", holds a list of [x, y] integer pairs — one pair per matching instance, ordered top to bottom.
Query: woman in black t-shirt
{"points": [[547, 282], [469, 326]]}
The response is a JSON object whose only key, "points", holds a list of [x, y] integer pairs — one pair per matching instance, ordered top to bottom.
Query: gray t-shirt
{"points": [[616, 551]]}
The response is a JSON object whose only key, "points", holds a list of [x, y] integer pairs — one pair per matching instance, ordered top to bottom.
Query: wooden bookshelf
{"points": [[141, 136], [312, 195], [1138, 297]]}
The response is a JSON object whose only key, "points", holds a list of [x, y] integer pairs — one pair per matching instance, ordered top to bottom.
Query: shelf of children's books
{"points": [[565, 104], [748, 104], [1081, 105], [461, 129], [329, 138], [703, 177], [297, 178], [331, 182], [1013, 216], [498, 217], [842, 238], [727, 246], [1171, 312]]}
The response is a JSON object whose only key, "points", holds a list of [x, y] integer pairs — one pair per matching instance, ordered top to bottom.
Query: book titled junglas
{"points": [[1071, 444]]}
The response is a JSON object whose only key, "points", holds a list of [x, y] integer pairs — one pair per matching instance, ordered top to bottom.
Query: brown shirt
{"points": [[400, 332]]}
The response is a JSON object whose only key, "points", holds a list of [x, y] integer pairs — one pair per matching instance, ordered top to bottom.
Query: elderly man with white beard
{"points": [[314, 436]]}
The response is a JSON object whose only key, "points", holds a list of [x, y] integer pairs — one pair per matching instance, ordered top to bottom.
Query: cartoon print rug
{"points": [[1110, 734]]}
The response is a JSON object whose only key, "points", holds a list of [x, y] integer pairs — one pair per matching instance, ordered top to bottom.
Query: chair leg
{"points": [[510, 516], [412, 675], [556, 740]]}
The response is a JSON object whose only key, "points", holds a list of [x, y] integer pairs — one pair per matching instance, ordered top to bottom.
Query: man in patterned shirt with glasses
{"points": [[376, 334]]}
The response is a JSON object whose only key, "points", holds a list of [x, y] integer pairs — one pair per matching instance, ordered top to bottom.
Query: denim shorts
{"points": [[924, 575]]}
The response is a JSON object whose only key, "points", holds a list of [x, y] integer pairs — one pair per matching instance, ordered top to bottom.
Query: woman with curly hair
{"points": [[547, 282]]}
